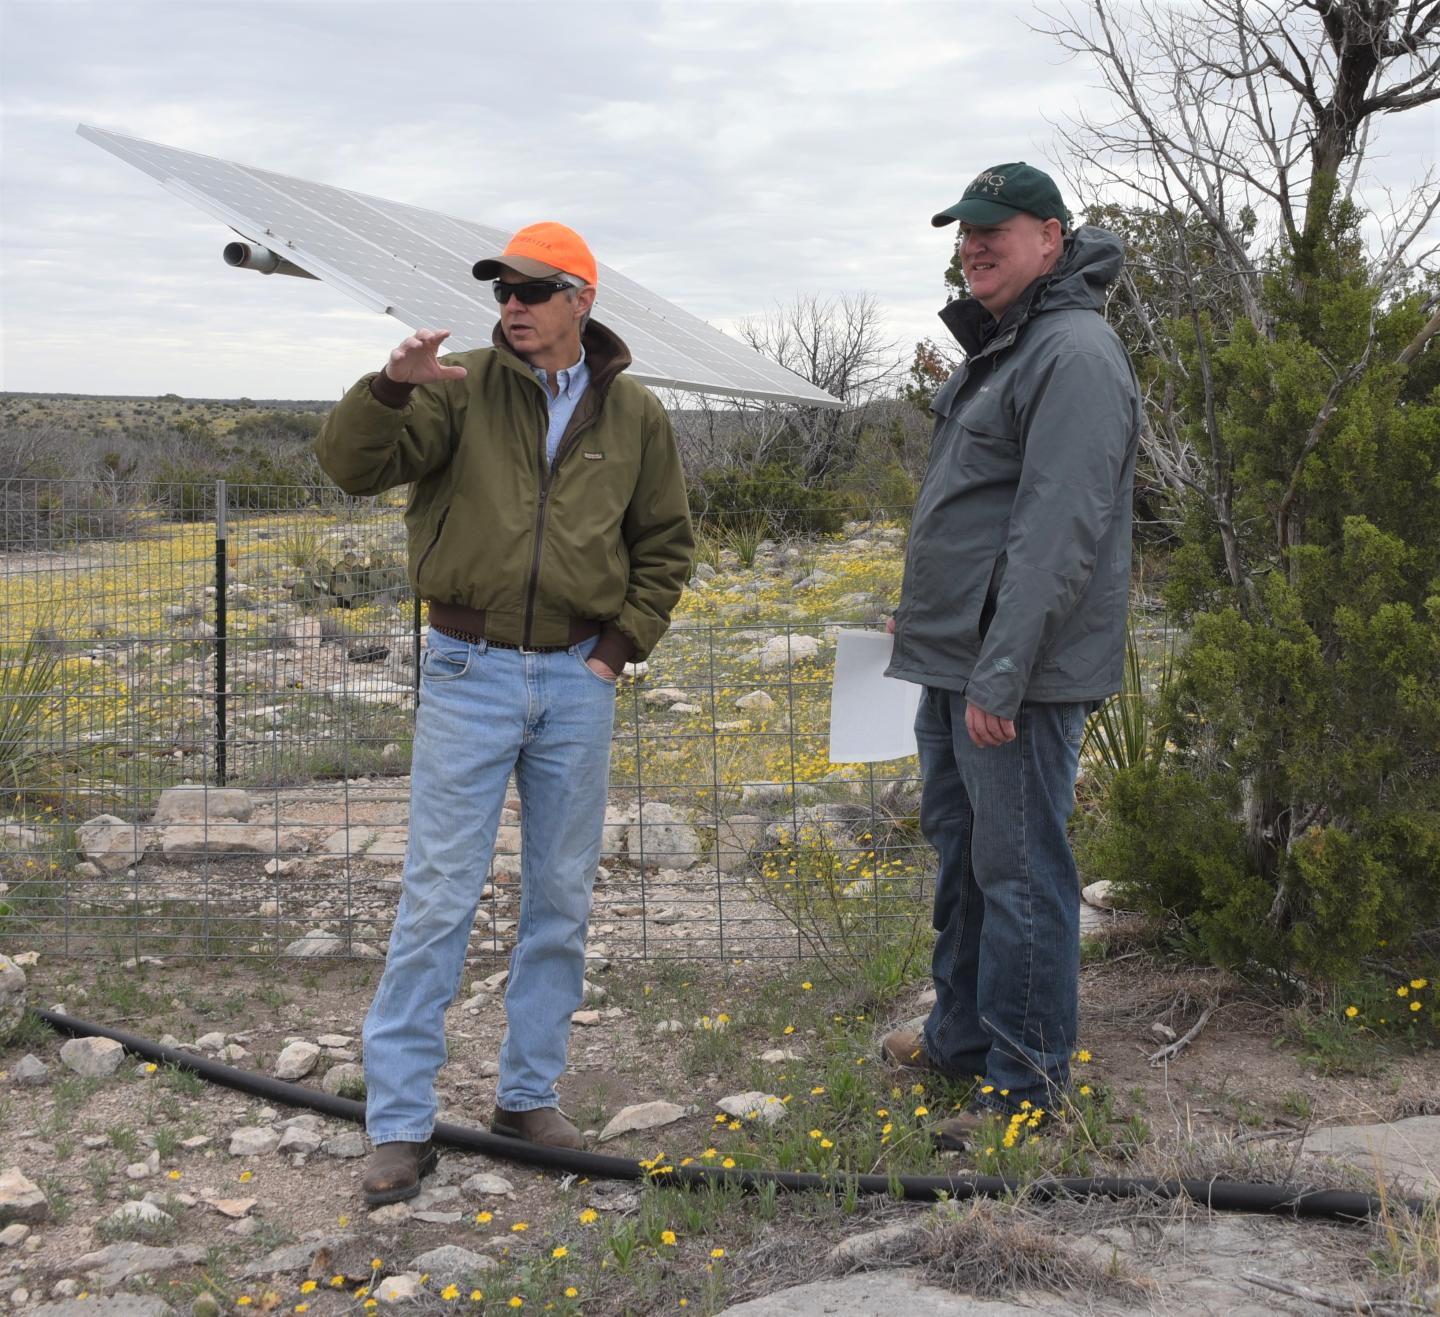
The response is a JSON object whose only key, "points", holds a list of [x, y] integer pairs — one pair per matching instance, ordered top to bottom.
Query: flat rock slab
{"points": [[181, 842], [642, 1116], [1407, 1150], [115, 1263], [873, 1294], [107, 1305]]}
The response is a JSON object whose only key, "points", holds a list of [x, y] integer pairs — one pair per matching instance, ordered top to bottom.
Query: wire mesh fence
{"points": [[207, 698]]}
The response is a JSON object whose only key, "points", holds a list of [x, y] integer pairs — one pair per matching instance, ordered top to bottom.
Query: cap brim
{"points": [[975, 211], [494, 266]]}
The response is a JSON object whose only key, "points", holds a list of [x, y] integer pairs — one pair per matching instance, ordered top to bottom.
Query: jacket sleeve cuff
{"points": [[384, 389], [613, 649]]}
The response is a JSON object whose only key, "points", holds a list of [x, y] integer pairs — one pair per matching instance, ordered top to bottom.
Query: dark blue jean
{"points": [[1007, 898]]}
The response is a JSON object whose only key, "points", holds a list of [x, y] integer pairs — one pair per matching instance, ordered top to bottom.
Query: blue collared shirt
{"points": [[573, 382]]}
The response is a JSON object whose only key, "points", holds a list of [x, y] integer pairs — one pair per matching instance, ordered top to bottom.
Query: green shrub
{"points": [[775, 493]]}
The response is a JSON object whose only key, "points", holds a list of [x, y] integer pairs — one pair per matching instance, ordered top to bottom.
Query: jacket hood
{"points": [[1090, 263]]}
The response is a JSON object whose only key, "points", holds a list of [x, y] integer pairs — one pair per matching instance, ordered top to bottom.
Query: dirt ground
{"points": [[1241, 1093]]}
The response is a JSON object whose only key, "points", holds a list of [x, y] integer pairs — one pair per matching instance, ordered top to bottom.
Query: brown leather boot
{"points": [[904, 1049], [544, 1125], [395, 1170]]}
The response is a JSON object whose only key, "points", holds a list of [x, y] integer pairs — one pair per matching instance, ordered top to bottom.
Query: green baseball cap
{"points": [[997, 193]]}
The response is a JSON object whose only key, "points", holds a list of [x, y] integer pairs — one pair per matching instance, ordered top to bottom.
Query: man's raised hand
{"points": [[414, 361]]}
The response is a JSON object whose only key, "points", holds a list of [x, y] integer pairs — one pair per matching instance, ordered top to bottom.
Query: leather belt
{"points": [[468, 624]]}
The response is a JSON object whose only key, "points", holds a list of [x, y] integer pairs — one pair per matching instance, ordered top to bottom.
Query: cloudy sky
{"points": [[728, 156]]}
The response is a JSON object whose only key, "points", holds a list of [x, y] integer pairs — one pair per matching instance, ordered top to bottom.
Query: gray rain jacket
{"points": [[1018, 569]]}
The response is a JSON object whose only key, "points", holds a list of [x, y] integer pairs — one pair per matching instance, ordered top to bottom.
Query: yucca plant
{"points": [[743, 536], [27, 687], [1126, 730]]}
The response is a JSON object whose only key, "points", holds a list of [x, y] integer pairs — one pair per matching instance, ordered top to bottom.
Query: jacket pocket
{"points": [[428, 552]]}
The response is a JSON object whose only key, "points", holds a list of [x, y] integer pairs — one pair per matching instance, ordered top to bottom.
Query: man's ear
{"points": [[1054, 236], [584, 300]]}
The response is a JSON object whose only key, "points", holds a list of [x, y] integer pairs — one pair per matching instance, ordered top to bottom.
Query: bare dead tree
{"points": [[1245, 119], [838, 344]]}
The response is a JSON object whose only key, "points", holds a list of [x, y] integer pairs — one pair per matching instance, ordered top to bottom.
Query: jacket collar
{"points": [[978, 332], [605, 354]]}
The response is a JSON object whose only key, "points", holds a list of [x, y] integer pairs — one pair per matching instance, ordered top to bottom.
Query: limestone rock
{"points": [[783, 651], [756, 702], [196, 804], [661, 837], [613, 838], [184, 841], [110, 843], [1099, 894], [317, 942], [12, 998], [95, 1058], [297, 1061], [344, 1076], [765, 1107], [642, 1116], [296, 1139], [253, 1141], [351, 1143], [1406, 1151], [486, 1184], [21, 1199], [235, 1208], [139, 1213], [116, 1263], [452, 1265], [400, 1288], [108, 1305]]}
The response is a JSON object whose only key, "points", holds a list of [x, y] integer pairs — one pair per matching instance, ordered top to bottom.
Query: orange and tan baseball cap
{"points": [[540, 251]]}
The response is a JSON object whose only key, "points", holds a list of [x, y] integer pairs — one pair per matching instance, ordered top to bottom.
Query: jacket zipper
{"points": [[547, 479], [420, 566]]}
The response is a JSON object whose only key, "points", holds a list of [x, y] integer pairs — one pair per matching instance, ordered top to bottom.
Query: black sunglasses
{"points": [[530, 294]]}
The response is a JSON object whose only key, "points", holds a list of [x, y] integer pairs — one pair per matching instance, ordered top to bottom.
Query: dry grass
{"points": [[994, 1250]]}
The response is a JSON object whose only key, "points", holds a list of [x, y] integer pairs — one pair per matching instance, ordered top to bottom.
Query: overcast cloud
{"points": [[726, 155]]}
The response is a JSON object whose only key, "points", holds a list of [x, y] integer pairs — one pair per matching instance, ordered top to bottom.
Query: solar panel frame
{"points": [[415, 265]]}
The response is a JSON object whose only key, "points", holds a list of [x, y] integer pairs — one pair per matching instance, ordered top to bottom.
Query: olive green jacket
{"points": [[602, 533]]}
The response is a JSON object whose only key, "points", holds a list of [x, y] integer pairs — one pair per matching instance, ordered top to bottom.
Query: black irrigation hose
{"points": [[1217, 1195]]}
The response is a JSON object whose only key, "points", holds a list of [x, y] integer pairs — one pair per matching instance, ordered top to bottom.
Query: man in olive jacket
{"points": [[549, 531], [1012, 618]]}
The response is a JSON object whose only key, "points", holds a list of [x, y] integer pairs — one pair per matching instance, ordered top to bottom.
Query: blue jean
{"points": [[484, 712], [1007, 898]]}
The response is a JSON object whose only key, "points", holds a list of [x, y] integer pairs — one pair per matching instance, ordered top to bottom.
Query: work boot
{"points": [[904, 1049], [544, 1125], [958, 1133], [395, 1170]]}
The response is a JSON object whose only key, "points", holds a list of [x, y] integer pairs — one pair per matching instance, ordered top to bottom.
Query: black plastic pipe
{"points": [[1217, 1195]]}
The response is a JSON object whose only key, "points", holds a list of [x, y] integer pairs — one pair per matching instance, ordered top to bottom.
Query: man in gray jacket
{"points": [[1012, 618]]}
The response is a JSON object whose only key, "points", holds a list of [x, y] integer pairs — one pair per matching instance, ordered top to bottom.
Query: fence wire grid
{"points": [[207, 698]]}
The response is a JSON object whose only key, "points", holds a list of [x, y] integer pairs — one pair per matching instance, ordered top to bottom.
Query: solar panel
{"points": [[415, 265]]}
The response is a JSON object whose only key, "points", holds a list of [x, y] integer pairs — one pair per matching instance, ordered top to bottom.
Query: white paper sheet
{"points": [[872, 716]]}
